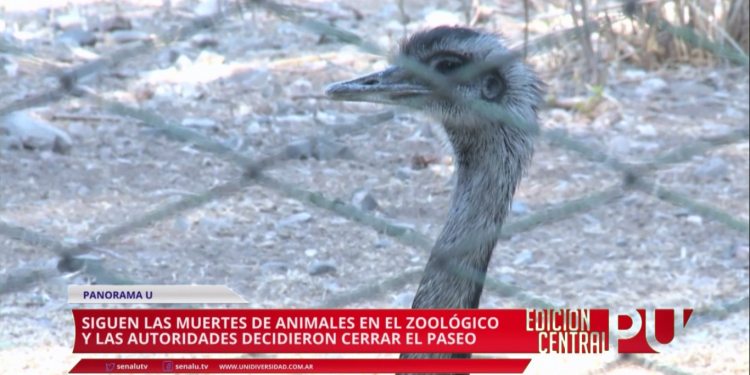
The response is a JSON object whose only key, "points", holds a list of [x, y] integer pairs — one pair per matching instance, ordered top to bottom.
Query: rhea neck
{"points": [[489, 162]]}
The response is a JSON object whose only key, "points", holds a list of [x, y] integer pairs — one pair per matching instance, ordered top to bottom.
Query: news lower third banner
{"points": [[204, 331], [340, 331], [300, 366]]}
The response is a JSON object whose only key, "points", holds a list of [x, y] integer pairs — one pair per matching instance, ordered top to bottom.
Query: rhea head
{"points": [[500, 81]]}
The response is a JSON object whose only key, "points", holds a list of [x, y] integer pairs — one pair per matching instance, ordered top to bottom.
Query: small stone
{"points": [[207, 8], [389, 11], [441, 17], [68, 21], [114, 23], [127, 36], [77, 37], [203, 41], [167, 57], [209, 58], [183, 62], [9, 66], [634, 74], [254, 78], [300, 86], [651, 86], [190, 91], [734, 113], [560, 115], [607, 119], [205, 123], [255, 128], [715, 128], [80, 130], [646, 130], [427, 131], [35, 133], [10, 142], [233, 143], [620, 145], [320, 148], [299, 149], [327, 149], [105, 153], [45, 155], [419, 162], [714, 167], [403, 173], [83, 191], [363, 200], [519, 207], [294, 219], [591, 219], [694, 219], [180, 224], [213, 225], [406, 226], [382, 242], [622, 242], [311, 252], [740, 252], [524, 257], [274, 267], [321, 267], [507, 279], [704, 283], [332, 286], [37, 300], [403, 300], [44, 323]]}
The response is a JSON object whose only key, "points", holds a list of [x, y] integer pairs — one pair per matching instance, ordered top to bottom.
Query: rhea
{"points": [[490, 120]]}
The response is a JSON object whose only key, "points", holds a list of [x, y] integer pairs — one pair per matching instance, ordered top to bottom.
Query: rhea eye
{"points": [[445, 66], [492, 87]]}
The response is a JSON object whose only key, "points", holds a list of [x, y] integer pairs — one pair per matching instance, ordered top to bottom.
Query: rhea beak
{"points": [[389, 86]]}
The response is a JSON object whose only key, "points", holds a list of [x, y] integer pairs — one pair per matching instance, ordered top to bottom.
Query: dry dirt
{"points": [[634, 251]]}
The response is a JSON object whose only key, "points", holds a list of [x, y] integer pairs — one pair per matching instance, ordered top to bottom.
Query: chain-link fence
{"points": [[74, 255]]}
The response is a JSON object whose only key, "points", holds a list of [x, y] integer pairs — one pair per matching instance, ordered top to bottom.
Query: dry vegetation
{"points": [[637, 88]]}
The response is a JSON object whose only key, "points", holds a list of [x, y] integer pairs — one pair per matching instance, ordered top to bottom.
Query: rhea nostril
{"points": [[370, 82]]}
